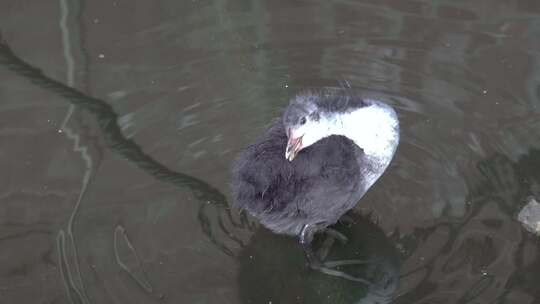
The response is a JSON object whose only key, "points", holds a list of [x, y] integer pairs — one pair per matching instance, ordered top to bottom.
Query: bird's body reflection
{"points": [[276, 265]]}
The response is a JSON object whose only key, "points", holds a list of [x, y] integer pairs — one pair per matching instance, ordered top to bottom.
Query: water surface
{"points": [[116, 191]]}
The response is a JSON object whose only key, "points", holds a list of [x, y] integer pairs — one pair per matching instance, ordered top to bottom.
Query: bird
{"points": [[314, 163]]}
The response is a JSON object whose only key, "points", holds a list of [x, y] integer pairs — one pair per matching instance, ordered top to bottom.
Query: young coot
{"points": [[314, 164]]}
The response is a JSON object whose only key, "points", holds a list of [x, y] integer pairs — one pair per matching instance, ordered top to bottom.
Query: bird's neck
{"points": [[375, 129]]}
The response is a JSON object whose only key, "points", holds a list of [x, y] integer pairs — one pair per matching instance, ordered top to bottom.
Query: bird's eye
{"points": [[303, 120]]}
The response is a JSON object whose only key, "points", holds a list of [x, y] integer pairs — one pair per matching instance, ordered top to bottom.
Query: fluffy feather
{"points": [[348, 144], [320, 185]]}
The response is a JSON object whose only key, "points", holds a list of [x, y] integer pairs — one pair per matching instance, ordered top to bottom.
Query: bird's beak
{"points": [[294, 145]]}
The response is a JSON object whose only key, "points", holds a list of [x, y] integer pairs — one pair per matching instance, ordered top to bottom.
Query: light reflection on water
{"points": [[191, 83]]}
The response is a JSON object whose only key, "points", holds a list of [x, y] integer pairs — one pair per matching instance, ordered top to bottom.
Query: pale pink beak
{"points": [[294, 145]]}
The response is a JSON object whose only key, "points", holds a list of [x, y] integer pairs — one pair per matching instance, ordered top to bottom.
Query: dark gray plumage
{"points": [[335, 101], [320, 185]]}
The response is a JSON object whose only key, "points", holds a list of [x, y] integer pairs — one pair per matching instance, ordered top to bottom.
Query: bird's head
{"points": [[312, 116], [303, 123]]}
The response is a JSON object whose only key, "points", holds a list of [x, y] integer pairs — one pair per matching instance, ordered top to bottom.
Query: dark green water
{"points": [[117, 191]]}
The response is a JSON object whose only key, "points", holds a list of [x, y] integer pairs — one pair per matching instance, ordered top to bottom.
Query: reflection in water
{"points": [[277, 266], [133, 267], [74, 286]]}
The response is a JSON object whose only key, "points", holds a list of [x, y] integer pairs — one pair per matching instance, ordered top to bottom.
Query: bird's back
{"points": [[317, 187]]}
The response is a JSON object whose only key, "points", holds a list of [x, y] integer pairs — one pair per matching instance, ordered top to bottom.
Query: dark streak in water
{"points": [[107, 120], [477, 289]]}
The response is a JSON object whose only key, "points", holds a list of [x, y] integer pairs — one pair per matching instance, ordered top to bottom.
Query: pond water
{"points": [[117, 191]]}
